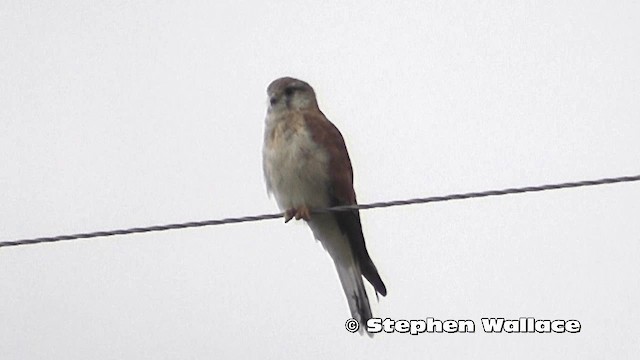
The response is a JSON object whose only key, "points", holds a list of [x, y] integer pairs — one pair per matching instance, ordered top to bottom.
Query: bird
{"points": [[306, 166]]}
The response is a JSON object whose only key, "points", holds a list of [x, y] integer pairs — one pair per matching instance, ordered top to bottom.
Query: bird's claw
{"points": [[300, 213], [289, 214]]}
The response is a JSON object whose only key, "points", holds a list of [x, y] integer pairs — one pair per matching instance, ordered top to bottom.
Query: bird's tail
{"points": [[353, 286]]}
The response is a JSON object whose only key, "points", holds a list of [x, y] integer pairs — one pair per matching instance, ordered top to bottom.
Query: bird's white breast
{"points": [[295, 167]]}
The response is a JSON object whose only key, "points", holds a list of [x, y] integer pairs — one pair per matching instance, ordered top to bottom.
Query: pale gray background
{"points": [[121, 114]]}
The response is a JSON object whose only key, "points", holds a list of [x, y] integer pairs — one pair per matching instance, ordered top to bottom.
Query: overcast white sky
{"points": [[115, 115]]}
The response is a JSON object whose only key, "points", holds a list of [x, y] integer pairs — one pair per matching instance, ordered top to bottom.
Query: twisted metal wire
{"points": [[382, 204]]}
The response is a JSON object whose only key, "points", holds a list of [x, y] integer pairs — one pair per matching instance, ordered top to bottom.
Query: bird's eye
{"points": [[289, 91]]}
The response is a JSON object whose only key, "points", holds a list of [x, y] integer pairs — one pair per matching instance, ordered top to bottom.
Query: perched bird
{"points": [[306, 166]]}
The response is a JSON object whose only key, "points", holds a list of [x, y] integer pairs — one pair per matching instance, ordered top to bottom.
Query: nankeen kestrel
{"points": [[306, 166]]}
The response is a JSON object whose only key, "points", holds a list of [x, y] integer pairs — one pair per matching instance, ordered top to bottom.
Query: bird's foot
{"points": [[301, 212]]}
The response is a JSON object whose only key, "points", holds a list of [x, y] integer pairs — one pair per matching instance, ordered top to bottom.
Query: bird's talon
{"points": [[299, 213], [303, 213], [289, 214]]}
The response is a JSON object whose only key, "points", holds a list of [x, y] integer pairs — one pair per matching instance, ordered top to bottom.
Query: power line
{"points": [[324, 210]]}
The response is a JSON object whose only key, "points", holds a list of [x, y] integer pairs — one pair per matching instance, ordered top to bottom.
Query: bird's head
{"points": [[291, 94]]}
